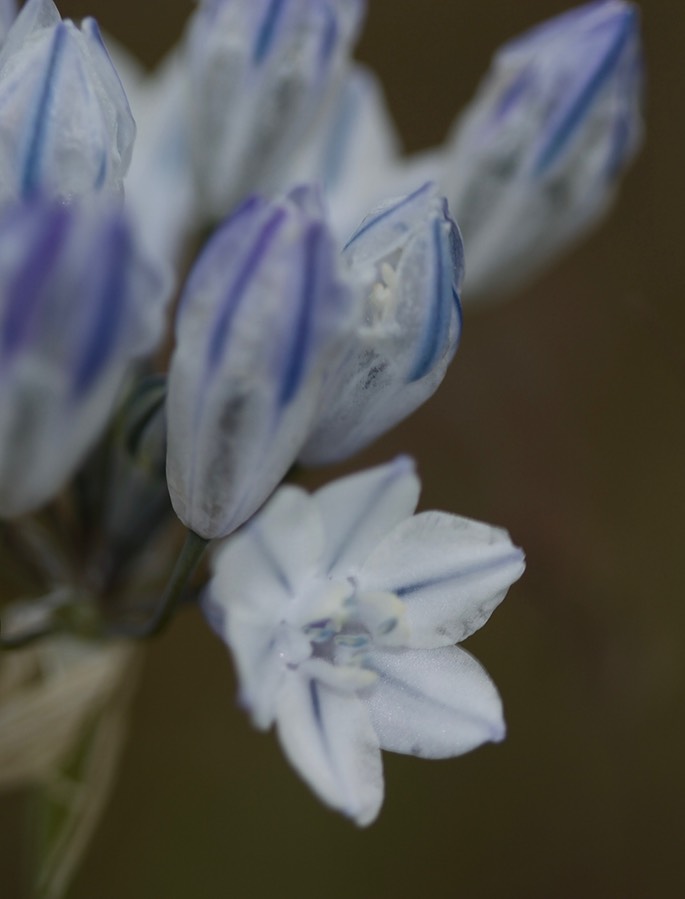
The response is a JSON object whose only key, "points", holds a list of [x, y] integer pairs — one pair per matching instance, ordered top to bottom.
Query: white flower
{"points": [[259, 74], [66, 129], [533, 162], [408, 259], [79, 305], [263, 309], [342, 610]]}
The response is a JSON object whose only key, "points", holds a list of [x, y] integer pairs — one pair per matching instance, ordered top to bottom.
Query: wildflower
{"points": [[260, 72], [65, 126], [535, 160], [407, 255], [78, 303], [263, 309], [342, 609]]}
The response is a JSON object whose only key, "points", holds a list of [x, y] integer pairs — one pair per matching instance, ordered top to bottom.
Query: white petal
{"points": [[359, 510], [262, 567], [450, 572], [260, 667], [433, 703], [328, 738]]}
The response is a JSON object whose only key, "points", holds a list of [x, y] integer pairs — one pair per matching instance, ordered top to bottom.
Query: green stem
{"points": [[188, 560]]}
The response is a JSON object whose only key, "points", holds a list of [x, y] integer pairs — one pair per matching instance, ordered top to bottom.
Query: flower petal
{"points": [[358, 510], [261, 568], [450, 572], [434, 704], [329, 740]]}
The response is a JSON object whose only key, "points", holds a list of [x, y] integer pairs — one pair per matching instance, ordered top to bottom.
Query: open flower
{"points": [[342, 610]]}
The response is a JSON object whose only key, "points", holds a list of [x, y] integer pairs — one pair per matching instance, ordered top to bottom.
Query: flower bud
{"points": [[260, 73], [65, 125], [355, 155], [535, 158], [408, 257], [77, 305], [263, 308]]}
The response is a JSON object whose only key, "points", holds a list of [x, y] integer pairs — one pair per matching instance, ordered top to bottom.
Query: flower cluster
{"points": [[323, 308]]}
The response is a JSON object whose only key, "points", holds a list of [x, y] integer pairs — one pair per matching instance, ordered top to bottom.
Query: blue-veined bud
{"points": [[260, 73], [65, 125], [535, 158], [408, 256], [77, 304], [262, 311]]}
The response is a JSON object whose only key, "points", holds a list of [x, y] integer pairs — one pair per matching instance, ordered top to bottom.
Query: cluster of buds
{"points": [[307, 327]]}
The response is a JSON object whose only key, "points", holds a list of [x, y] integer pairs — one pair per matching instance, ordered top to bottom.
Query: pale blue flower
{"points": [[259, 73], [65, 125], [535, 160], [531, 165], [407, 256], [78, 303], [264, 308], [341, 610]]}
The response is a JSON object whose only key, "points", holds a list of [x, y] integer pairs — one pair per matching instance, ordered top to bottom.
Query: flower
{"points": [[260, 72], [65, 125], [535, 159], [531, 164], [408, 258], [78, 303], [263, 309], [342, 609]]}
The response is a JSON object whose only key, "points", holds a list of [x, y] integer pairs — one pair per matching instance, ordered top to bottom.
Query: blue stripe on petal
{"points": [[267, 30], [330, 37], [577, 111], [31, 179], [374, 220], [24, 291], [438, 320], [104, 332], [220, 333], [298, 355], [400, 467], [255, 531], [469, 571], [409, 691], [316, 708]]}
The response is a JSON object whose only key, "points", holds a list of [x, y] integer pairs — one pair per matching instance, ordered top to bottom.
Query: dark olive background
{"points": [[561, 419]]}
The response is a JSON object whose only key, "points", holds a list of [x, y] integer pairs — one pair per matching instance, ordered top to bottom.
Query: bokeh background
{"points": [[561, 419]]}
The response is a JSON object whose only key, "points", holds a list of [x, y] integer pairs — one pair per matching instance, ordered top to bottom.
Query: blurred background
{"points": [[562, 420]]}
